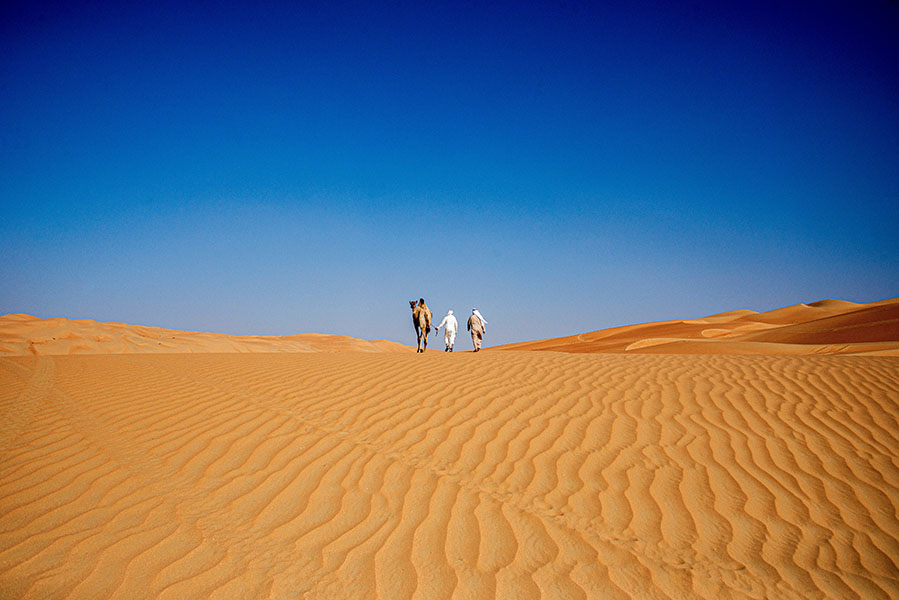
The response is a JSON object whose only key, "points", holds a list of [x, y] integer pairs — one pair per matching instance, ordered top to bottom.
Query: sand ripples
{"points": [[509, 475]]}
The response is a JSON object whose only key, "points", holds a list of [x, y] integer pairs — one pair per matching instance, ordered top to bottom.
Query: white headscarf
{"points": [[479, 315], [450, 321]]}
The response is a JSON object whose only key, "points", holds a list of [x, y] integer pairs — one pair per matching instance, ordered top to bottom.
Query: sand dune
{"points": [[824, 327], [22, 335], [504, 474], [513, 474]]}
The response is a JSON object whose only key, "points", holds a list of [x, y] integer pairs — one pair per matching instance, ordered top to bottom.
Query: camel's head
{"points": [[412, 304]]}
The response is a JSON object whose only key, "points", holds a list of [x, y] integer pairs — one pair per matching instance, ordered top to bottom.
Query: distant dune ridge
{"points": [[824, 327], [24, 334], [227, 469]]}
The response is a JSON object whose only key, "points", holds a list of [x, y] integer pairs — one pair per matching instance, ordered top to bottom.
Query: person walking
{"points": [[451, 325], [477, 325]]}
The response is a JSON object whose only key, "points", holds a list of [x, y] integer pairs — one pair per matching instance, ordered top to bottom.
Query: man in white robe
{"points": [[451, 326]]}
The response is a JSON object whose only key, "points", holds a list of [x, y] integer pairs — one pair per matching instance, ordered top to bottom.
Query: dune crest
{"points": [[823, 327], [23, 335]]}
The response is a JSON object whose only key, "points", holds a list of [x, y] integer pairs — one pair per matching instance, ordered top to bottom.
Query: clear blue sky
{"points": [[287, 168]]}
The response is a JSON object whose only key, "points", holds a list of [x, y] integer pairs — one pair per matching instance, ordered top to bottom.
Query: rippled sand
{"points": [[499, 474]]}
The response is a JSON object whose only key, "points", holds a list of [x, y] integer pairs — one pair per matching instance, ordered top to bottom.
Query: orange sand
{"points": [[824, 327], [21, 335], [501, 474]]}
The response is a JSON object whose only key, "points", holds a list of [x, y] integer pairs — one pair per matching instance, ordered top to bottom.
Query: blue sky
{"points": [[564, 167]]}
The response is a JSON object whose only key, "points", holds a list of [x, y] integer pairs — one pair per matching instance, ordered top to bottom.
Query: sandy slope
{"points": [[824, 327], [22, 335], [498, 474]]}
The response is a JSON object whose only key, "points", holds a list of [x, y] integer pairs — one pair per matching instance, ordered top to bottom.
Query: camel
{"points": [[421, 320]]}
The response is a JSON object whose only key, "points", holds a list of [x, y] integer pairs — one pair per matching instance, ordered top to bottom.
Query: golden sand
{"points": [[824, 327], [21, 335], [513, 474]]}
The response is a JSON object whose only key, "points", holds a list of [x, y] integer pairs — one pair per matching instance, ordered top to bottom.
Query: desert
{"points": [[238, 240], [741, 455]]}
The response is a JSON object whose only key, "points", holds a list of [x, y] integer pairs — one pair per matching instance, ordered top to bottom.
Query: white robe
{"points": [[451, 326]]}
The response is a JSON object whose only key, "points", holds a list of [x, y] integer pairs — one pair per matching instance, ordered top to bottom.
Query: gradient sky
{"points": [[300, 167]]}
